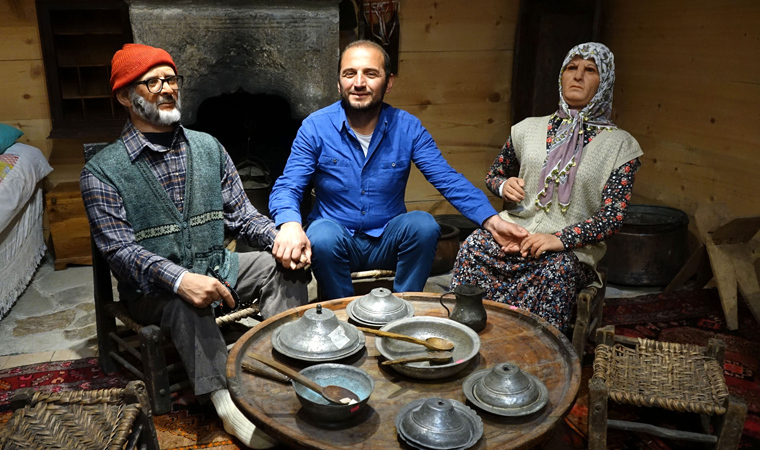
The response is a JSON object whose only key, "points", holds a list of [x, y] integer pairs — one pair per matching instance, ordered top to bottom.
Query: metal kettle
{"points": [[469, 309]]}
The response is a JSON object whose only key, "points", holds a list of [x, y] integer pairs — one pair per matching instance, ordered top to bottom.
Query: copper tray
{"points": [[511, 335]]}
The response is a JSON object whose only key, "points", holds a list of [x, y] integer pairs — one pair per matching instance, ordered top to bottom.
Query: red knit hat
{"points": [[133, 61]]}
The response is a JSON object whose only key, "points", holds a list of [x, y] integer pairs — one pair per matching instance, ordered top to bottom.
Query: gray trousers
{"points": [[197, 338]]}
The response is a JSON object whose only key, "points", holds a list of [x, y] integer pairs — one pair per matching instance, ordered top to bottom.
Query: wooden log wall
{"points": [[455, 73], [688, 89], [23, 97]]}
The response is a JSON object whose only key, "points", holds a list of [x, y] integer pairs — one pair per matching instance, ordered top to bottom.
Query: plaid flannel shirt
{"points": [[115, 237]]}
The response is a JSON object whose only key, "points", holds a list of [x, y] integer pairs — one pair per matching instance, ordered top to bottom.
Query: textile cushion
{"points": [[8, 136], [21, 168]]}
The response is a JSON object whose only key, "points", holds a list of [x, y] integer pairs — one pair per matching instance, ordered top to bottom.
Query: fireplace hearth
{"points": [[287, 48]]}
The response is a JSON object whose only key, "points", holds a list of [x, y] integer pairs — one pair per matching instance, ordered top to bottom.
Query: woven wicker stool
{"points": [[676, 377], [84, 420]]}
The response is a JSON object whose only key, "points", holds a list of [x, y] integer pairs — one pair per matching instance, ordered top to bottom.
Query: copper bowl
{"points": [[466, 346]]}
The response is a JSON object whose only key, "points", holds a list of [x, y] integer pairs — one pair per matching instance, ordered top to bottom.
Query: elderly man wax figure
{"points": [[358, 152], [159, 201]]}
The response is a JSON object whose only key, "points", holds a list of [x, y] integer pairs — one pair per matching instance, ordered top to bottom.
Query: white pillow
{"points": [[18, 186]]}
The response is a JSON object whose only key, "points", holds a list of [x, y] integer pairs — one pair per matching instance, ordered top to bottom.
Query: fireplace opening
{"points": [[257, 130]]}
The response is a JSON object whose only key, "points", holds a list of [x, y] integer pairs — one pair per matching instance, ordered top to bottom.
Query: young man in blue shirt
{"points": [[358, 152]]}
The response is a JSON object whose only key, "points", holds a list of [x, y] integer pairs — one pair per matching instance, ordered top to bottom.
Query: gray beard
{"points": [[150, 113]]}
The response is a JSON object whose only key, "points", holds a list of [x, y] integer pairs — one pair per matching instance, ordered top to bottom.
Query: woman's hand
{"points": [[513, 190], [539, 243]]}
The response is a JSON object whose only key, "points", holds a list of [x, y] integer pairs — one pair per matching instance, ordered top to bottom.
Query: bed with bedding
{"points": [[22, 168]]}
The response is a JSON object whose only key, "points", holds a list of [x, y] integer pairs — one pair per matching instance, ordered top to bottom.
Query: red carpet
{"points": [[685, 317], [188, 426]]}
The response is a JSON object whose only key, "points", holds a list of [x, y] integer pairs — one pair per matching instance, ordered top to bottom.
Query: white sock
{"points": [[236, 424]]}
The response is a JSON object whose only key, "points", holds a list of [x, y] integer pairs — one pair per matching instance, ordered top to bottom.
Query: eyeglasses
{"points": [[156, 85]]}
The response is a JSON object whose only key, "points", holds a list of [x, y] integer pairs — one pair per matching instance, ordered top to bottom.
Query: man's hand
{"points": [[513, 190], [508, 235], [537, 244], [291, 247], [201, 291]]}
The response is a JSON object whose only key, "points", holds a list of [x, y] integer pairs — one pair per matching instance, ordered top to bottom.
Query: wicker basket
{"points": [[82, 420]]}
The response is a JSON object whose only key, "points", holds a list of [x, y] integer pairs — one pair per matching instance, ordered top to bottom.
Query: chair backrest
{"points": [[92, 149], [101, 272]]}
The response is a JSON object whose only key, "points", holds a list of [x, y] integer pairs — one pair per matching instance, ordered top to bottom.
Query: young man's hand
{"points": [[508, 235], [291, 247]]}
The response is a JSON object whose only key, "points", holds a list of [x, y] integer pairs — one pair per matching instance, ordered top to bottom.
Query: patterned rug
{"points": [[684, 317], [188, 426]]}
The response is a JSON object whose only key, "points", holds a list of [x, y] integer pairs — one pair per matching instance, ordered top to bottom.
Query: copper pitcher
{"points": [[469, 309]]}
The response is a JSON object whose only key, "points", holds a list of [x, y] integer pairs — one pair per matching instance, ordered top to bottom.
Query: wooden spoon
{"points": [[433, 343], [438, 357], [334, 394]]}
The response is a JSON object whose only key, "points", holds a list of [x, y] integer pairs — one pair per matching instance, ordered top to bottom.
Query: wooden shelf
{"points": [[79, 38]]}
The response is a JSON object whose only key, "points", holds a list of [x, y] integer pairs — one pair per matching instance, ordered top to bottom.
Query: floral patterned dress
{"points": [[547, 285]]}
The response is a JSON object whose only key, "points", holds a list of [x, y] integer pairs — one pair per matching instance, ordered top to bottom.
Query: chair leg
{"points": [[582, 321], [104, 322], [154, 369], [597, 414], [730, 425], [148, 438]]}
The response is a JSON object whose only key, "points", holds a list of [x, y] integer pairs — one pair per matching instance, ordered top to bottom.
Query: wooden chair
{"points": [[367, 280], [589, 310], [113, 347], [676, 377], [89, 420]]}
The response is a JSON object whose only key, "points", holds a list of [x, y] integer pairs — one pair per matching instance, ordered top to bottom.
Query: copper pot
{"points": [[448, 247]]}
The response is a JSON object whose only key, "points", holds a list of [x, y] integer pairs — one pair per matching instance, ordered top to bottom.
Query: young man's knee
{"points": [[423, 226], [325, 235]]}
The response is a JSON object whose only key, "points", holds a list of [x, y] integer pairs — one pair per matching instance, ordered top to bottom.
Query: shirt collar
{"points": [[342, 122], [136, 142]]}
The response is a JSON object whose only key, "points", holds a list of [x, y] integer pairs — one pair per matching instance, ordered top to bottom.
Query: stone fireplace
{"points": [[287, 48], [253, 68]]}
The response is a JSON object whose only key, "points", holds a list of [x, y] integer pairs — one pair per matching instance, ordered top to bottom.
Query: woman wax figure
{"points": [[567, 179]]}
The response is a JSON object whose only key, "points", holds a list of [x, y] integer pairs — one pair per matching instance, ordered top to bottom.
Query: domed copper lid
{"points": [[378, 308], [317, 336], [506, 390], [438, 423]]}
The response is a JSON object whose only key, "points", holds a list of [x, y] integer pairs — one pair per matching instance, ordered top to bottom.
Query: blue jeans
{"points": [[407, 246]]}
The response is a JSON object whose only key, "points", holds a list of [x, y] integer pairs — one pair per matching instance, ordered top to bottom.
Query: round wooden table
{"points": [[511, 335]]}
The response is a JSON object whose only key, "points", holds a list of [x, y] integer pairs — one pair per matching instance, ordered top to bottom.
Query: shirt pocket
{"points": [[333, 174], [393, 176]]}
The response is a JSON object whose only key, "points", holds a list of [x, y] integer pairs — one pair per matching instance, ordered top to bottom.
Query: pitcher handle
{"points": [[440, 299]]}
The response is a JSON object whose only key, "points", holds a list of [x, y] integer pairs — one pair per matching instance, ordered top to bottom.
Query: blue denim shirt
{"points": [[364, 194]]}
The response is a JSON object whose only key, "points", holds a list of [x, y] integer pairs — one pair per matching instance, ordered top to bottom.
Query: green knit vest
{"points": [[193, 239]]}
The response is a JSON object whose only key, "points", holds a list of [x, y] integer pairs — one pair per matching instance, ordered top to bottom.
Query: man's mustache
{"points": [[165, 99]]}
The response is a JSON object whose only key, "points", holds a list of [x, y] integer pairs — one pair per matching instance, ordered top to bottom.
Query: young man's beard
{"points": [[344, 95], [150, 112]]}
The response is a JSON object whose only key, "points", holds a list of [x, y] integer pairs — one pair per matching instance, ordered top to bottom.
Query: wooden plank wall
{"points": [[455, 74], [688, 89], [23, 97]]}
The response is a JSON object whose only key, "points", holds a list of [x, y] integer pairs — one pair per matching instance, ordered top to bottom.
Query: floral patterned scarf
{"points": [[565, 151]]}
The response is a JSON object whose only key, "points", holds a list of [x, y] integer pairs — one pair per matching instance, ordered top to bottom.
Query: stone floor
{"points": [[54, 319]]}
